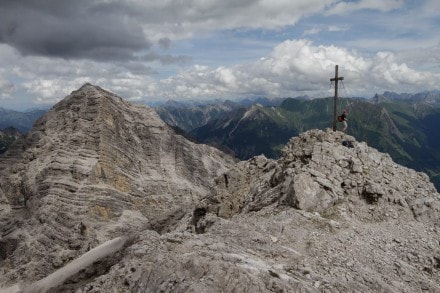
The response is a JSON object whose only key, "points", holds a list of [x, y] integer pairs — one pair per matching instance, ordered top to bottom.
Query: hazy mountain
{"points": [[430, 97], [267, 102], [189, 117], [23, 121], [265, 130], [247, 132], [7, 137], [103, 196]]}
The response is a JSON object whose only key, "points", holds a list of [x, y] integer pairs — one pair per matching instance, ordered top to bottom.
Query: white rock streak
{"points": [[58, 277]]}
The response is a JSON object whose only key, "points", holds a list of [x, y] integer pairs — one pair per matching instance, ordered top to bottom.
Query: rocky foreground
{"points": [[102, 196]]}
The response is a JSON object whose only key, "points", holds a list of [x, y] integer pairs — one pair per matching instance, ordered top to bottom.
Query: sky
{"points": [[157, 50]]}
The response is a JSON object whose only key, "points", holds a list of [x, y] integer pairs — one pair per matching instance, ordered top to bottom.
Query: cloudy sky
{"points": [[150, 50]]}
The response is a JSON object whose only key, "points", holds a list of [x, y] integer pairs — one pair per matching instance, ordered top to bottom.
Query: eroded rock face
{"points": [[93, 168], [322, 218]]}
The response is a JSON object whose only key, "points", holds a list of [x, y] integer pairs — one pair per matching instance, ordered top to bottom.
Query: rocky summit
{"points": [[103, 196]]}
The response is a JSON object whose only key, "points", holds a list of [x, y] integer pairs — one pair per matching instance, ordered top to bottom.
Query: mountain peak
{"points": [[87, 84], [89, 88], [89, 91], [92, 107], [93, 167]]}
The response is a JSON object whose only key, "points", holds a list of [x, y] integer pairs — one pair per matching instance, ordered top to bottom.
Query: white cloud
{"points": [[379, 5], [430, 8], [263, 13], [327, 28], [338, 28], [312, 31], [428, 58], [296, 66], [387, 70], [45, 80], [6, 88], [50, 91]]}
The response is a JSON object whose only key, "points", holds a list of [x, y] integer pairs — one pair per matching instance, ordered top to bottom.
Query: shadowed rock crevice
{"points": [[198, 214], [168, 222], [7, 247]]}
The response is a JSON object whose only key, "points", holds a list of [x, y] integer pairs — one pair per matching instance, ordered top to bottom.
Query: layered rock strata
{"points": [[95, 167]]}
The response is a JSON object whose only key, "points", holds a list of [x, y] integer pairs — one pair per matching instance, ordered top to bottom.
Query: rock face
{"points": [[95, 167], [106, 191]]}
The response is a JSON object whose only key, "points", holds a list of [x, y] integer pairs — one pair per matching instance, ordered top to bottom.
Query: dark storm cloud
{"points": [[70, 29]]}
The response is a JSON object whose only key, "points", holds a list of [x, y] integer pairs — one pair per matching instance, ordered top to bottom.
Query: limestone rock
{"points": [[94, 168], [308, 194]]}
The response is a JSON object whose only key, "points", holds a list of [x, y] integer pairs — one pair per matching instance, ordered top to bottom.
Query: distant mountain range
{"points": [[189, 115], [23, 121], [403, 125]]}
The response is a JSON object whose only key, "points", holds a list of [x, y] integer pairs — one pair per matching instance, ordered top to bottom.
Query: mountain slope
{"points": [[191, 115], [189, 118], [264, 130], [407, 130], [246, 133]]}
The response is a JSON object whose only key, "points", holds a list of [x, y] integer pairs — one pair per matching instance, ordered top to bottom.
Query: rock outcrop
{"points": [[316, 172], [106, 191]]}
